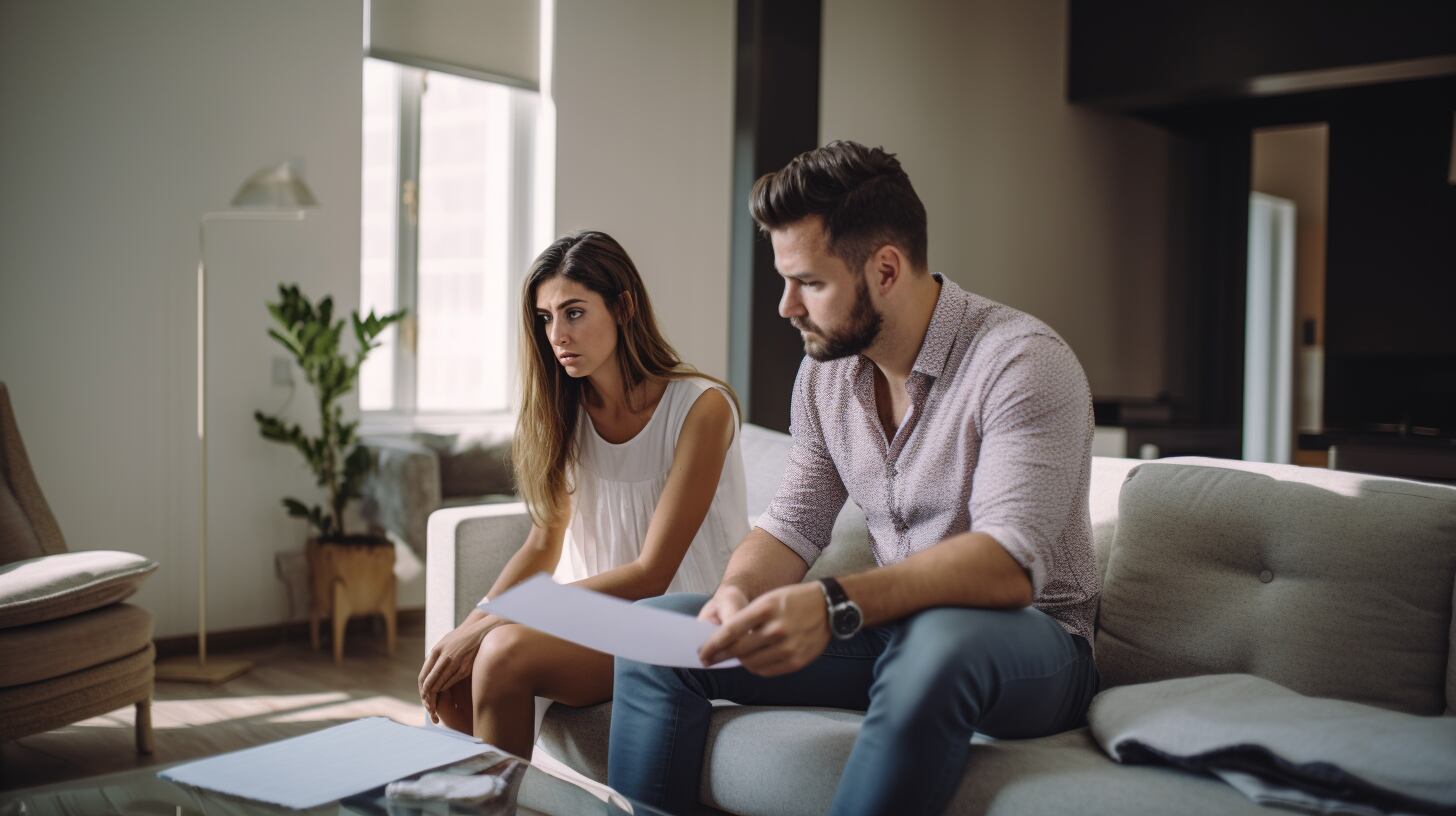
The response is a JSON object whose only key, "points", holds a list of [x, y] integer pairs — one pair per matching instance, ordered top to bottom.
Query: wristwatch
{"points": [[845, 617]]}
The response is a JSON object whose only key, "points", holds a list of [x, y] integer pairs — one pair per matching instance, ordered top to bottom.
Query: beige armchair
{"points": [[68, 648]]}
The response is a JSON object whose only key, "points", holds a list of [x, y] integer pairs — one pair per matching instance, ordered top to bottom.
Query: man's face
{"points": [[826, 301]]}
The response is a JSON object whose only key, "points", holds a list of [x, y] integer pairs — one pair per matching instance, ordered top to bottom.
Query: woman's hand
{"points": [[450, 660]]}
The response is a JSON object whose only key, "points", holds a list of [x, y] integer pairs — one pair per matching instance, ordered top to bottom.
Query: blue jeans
{"points": [[925, 683]]}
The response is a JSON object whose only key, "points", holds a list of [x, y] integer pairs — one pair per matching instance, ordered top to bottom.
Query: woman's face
{"points": [[577, 323]]}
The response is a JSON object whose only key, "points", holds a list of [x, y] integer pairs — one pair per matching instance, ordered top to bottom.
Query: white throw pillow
{"points": [[65, 584]]}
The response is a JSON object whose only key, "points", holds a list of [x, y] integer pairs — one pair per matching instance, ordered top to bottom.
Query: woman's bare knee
{"points": [[503, 666]]}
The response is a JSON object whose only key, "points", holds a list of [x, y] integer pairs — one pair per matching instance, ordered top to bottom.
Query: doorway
{"points": [[1285, 305]]}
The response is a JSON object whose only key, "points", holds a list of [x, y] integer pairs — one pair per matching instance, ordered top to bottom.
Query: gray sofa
{"points": [[1329, 583]]}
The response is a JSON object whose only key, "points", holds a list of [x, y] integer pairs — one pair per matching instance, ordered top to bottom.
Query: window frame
{"points": [[525, 107]]}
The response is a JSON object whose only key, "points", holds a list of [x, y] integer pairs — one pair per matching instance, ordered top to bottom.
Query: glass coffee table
{"points": [[531, 792]]}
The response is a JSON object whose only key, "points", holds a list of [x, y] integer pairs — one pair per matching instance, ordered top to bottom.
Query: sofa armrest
{"points": [[402, 490], [468, 548]]}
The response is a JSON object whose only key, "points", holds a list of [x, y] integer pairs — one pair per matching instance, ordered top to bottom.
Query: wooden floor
{"points": [[290, 691]]}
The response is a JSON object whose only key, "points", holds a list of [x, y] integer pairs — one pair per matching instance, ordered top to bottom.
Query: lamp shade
{"points": [[274, 188]]}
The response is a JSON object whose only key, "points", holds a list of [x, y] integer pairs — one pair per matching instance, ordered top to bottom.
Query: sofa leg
{"points": [[144, 744]]}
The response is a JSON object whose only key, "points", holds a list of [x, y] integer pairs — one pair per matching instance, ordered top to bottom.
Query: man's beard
{"points": [[860, 330]]}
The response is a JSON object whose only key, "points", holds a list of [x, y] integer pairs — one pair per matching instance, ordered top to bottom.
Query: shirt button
{"points": [[1266, 576]]}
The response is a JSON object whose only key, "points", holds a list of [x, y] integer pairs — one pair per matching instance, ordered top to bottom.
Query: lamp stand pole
{"points": [[202, 670]]}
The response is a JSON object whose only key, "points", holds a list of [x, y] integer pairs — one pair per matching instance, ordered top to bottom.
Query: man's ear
{"points": [[885, 267], [626, 307]]}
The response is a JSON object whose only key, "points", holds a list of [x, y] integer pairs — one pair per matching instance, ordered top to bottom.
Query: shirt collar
{"points": [[945, 324], [940, 335]]}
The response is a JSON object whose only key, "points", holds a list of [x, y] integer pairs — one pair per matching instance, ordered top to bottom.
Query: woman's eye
{"points": [[573, 313], [544, 318]]}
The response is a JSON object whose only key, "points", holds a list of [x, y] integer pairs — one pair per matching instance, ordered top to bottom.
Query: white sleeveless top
{"points": [[618, 485]]}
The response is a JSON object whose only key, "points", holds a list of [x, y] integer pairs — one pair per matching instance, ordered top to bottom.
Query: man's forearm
{"points": [[761, 563], [969, 570]]}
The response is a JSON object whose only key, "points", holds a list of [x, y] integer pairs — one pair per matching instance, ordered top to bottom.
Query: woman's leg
{"points": [[514, 666], [453, 706]]}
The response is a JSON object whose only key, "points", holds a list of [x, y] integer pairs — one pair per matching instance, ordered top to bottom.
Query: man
{"points": [[963, 428]]}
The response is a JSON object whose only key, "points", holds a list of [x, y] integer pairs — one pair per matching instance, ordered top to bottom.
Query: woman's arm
{"points": [[697, 466], [449, 661]]}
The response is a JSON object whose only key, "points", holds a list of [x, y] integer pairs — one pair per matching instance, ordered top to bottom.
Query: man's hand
{"points": [[724, 604], [781, 631], [451, 659]]}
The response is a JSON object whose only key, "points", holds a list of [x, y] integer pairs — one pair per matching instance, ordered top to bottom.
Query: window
{"points": [[447, 188]]}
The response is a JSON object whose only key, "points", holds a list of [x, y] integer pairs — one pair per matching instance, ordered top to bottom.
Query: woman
{"points": [[628, 461]]}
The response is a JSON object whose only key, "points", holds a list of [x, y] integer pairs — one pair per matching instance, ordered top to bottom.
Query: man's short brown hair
{"points": [[862, 194]]}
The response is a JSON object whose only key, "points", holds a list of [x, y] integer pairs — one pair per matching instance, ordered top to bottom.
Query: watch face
{"points": [[846, 620]]}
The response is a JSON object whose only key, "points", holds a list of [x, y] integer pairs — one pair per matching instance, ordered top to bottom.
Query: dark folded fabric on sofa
{"points": [[1282, 748]]}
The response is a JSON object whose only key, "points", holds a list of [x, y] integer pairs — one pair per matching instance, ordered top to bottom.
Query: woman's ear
{"points": [[626, 307]]}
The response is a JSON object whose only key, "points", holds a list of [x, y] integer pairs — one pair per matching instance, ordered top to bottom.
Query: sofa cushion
{"points": [[477, 465], [1329, 583], [57, 586], [56, 648], [788, 761]]}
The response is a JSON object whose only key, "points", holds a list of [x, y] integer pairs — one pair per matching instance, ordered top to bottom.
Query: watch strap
{"points": [[834, 592]]}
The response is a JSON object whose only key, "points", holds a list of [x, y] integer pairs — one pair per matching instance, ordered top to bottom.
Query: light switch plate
{"points": [[282, 371]]}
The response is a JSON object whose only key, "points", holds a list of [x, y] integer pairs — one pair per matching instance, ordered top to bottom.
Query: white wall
{"points": [[644, 101], [122, 123], [1041, 205]]}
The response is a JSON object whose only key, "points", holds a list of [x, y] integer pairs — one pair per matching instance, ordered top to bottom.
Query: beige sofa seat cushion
{"points": [[1332, 584], [56, 586], [42, 651]]}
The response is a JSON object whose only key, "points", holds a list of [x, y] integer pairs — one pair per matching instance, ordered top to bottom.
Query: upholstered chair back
{"points": [[27, 528]]}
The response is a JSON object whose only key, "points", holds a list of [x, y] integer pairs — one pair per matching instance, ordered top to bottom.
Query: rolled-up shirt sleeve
{"points": [[1035, 431], [811, 493]]}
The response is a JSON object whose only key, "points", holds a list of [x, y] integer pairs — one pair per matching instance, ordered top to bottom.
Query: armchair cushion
{"points": [[65, 584], [29, 654]]}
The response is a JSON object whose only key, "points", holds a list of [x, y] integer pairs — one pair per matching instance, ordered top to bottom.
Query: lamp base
{"points": [[192, 670]]}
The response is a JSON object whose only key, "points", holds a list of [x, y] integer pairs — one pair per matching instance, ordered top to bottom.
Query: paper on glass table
{"points": [[605, 623], [329, 765]]}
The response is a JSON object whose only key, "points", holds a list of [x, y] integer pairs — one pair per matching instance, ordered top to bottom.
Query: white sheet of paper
{"points": [[606, 623], [326, 766]]}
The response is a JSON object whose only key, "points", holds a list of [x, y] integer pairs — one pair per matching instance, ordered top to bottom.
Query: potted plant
{"points": [[349, 573]]}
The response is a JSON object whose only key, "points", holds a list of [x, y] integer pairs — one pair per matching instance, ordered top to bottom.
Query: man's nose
{"points": [[790, 305]]}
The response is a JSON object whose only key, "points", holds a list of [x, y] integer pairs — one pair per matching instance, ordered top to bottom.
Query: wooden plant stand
{"points": [[349, 579]]}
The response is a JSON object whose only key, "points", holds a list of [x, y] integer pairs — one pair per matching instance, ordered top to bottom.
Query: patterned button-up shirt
{"points": [[997, 440]]}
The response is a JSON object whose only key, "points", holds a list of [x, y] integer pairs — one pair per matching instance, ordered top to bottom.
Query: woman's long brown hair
{"points": [[544, 451]]}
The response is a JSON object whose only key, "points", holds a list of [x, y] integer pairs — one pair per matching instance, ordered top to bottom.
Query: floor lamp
{"points": [[271, 194]]}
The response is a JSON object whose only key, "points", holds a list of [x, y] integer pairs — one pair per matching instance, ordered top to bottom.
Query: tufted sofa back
{"points": [[1333, 584]]}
